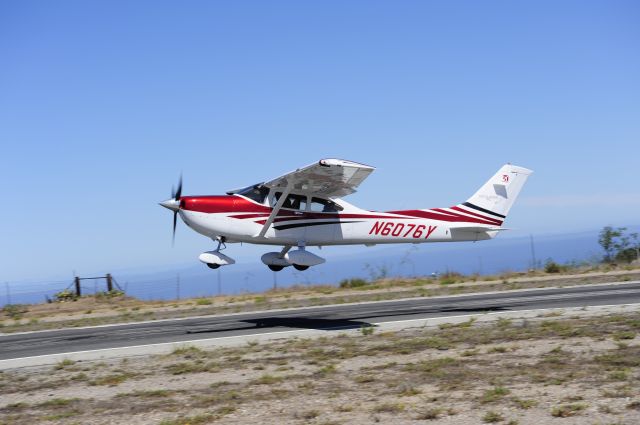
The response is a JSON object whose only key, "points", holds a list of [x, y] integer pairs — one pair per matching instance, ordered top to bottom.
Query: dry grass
{"points": [[562, 368]]}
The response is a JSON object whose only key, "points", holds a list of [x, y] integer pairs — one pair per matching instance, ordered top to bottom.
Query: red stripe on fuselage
{"points": [[455, 214], [244, 216], [441, 217], [498, 222]]}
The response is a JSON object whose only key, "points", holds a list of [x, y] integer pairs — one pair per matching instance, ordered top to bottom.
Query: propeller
{"points": [[174, 205]]}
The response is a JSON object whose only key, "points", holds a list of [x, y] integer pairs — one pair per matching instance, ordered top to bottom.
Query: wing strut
{"points": [[276, 209]]}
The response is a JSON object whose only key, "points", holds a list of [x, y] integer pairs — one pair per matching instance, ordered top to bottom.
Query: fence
{"points": [[165, 287]]}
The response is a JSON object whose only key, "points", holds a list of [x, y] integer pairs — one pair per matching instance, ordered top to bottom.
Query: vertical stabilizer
{"points": [[497, 195]]}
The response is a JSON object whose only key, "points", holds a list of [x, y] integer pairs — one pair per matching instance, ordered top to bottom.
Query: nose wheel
{"points": [[215, 259], [299, 267]]}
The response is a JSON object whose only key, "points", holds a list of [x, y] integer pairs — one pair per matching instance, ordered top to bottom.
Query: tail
{"points": [[496, 197]]}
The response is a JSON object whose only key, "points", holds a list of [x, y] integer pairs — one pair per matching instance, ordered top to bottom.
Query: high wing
{"points": [[328, 178]]}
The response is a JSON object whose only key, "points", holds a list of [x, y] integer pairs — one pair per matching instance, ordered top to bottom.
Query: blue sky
{"points": [[104, 103]]}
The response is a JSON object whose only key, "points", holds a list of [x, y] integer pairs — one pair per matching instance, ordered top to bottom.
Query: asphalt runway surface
{"points": [[330, 317]]}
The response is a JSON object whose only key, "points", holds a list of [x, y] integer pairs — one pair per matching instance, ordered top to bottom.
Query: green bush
{"points": [[552, 267], [450, 278], [354, 282], [109, 294], [65, 295]]}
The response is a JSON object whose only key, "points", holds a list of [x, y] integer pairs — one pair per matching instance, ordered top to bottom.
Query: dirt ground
{"points": [[550, 370]]}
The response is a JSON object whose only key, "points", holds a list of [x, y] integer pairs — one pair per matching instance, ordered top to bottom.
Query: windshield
{"points": [[256, 193]]}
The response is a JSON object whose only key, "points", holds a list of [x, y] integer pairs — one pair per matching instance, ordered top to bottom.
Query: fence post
{"points": [[77, 283], [109, 283], [8, 293]]}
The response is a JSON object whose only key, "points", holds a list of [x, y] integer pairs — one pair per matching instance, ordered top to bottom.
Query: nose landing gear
{"points": [[215, 259]]}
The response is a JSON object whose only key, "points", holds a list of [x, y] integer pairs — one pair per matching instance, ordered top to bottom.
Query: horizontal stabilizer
{"points": [[478, 229]]}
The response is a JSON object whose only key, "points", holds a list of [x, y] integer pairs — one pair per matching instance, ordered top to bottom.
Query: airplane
{"points": [[304, 208]]}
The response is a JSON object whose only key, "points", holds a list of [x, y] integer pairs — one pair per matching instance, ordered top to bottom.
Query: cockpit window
{"points": [[256, 193], [293, 202], [324, 205]]}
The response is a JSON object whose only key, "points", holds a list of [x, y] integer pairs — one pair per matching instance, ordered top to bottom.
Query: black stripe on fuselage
{"points": [[475, 207], [316, 223]]}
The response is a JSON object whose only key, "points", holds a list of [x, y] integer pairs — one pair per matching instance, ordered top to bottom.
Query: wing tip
{"points": [[327, 162]]}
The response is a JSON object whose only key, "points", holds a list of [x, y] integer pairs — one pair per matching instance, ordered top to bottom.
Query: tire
{"points": [[213, 266], [275, 268], [301, 268]]}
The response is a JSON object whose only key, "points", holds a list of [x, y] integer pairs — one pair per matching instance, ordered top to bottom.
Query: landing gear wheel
{"points": [[213, 266], [299, 267], [275, 268]]}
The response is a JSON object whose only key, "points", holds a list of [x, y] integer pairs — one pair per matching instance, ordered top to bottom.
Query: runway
{"points": [[331, 317]]}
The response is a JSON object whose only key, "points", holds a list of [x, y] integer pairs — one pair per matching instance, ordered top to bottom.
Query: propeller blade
{"points": [[178, 193], [174, 205], [175, 222]]}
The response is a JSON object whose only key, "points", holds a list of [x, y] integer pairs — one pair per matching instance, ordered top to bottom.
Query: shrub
{"points": [[552, 267], [450, 278], [353, 283], [114, 293], [65, 295], [15, 311], [367, 329], [624, 335], [188, 351], [64, 363], [267, 379], [111, 380], [494, 394], [525, 403], [566, 410], [492, 417]]}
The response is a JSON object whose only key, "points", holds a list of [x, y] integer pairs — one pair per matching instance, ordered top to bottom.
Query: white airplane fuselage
{"points": [[305, 208], [239, 219]]}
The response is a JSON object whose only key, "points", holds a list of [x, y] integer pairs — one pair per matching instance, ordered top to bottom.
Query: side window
{"points": [[293, 202], [324, 205]]}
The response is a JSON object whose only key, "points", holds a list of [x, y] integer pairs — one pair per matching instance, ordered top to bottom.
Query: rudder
{"points": [[496, 196]]}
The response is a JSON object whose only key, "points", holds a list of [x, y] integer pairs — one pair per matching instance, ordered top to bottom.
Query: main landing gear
{"points": [[300, 259], [295, 266]]}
